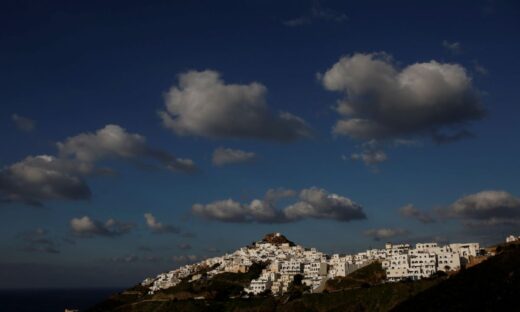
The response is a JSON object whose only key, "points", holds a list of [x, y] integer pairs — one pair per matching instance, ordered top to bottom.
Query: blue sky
{"points": [[71, 69]]}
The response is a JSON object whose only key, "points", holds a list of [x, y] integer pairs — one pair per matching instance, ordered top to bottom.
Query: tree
{"points": [[297, 281]]}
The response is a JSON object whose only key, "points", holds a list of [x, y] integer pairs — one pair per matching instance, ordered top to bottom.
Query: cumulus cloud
{"points": [[317, 12], [453, 47], [384, 102], [202, 104], [23, 123], [113, 141], [371, 154], [226, 156], [370, 157], [41, 178], [275, 194], [312, 203], [319, 204], [485, 208], [226, 210], [412, 212], [87, 227], [158, 227], [385, 233], [38, 240]]}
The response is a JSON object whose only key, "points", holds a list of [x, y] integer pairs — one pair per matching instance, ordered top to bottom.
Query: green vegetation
{"points": [[370, 275], [243, 278], [220, 287], [296, 289], [127, 297], [377, 298]]}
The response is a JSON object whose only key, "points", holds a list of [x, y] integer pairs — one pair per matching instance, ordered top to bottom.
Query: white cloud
{"points": [[383, 102], [202, 104], [23, 123], [110, 141], [113, 141], [371, 153], [225, 156], [370, 157], [40, 178], [274, 194], [312, 203], [319, 204], [486, 208], [226, 210], [412, 212], [87, 227], [158, 227], [385, 233]]}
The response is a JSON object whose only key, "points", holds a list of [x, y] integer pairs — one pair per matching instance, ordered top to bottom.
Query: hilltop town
{"points": [[284, 263]]}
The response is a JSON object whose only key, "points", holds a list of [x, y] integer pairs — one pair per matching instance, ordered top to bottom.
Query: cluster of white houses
{"points": [[286, 261], [403, 262]]}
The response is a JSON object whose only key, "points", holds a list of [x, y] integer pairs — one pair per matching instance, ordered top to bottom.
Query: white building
{"points": [[512, 238], [466, 250], [426, 259], [400, 261], [448, 261], [422, 264], [291, 267], [397, 267], [315, 269], [259, 285]]}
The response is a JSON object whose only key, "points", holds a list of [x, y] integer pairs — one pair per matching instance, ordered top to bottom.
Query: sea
{"points": [[52, 300]]}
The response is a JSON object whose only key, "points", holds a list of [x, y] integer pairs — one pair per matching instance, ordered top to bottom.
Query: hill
{"points": [[277, 239], [372, 274], [492, 285], [220, 287], [359, 291]]}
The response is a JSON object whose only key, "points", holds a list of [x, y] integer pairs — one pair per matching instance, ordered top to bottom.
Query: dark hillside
{"points": [[370, 275], [493, 285]]}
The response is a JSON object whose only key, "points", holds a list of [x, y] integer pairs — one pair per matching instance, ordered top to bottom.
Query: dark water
{"points": [[51, 300]]}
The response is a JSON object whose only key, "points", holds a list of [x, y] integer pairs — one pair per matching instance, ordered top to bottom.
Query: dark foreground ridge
{"points": [[491, 285]]}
